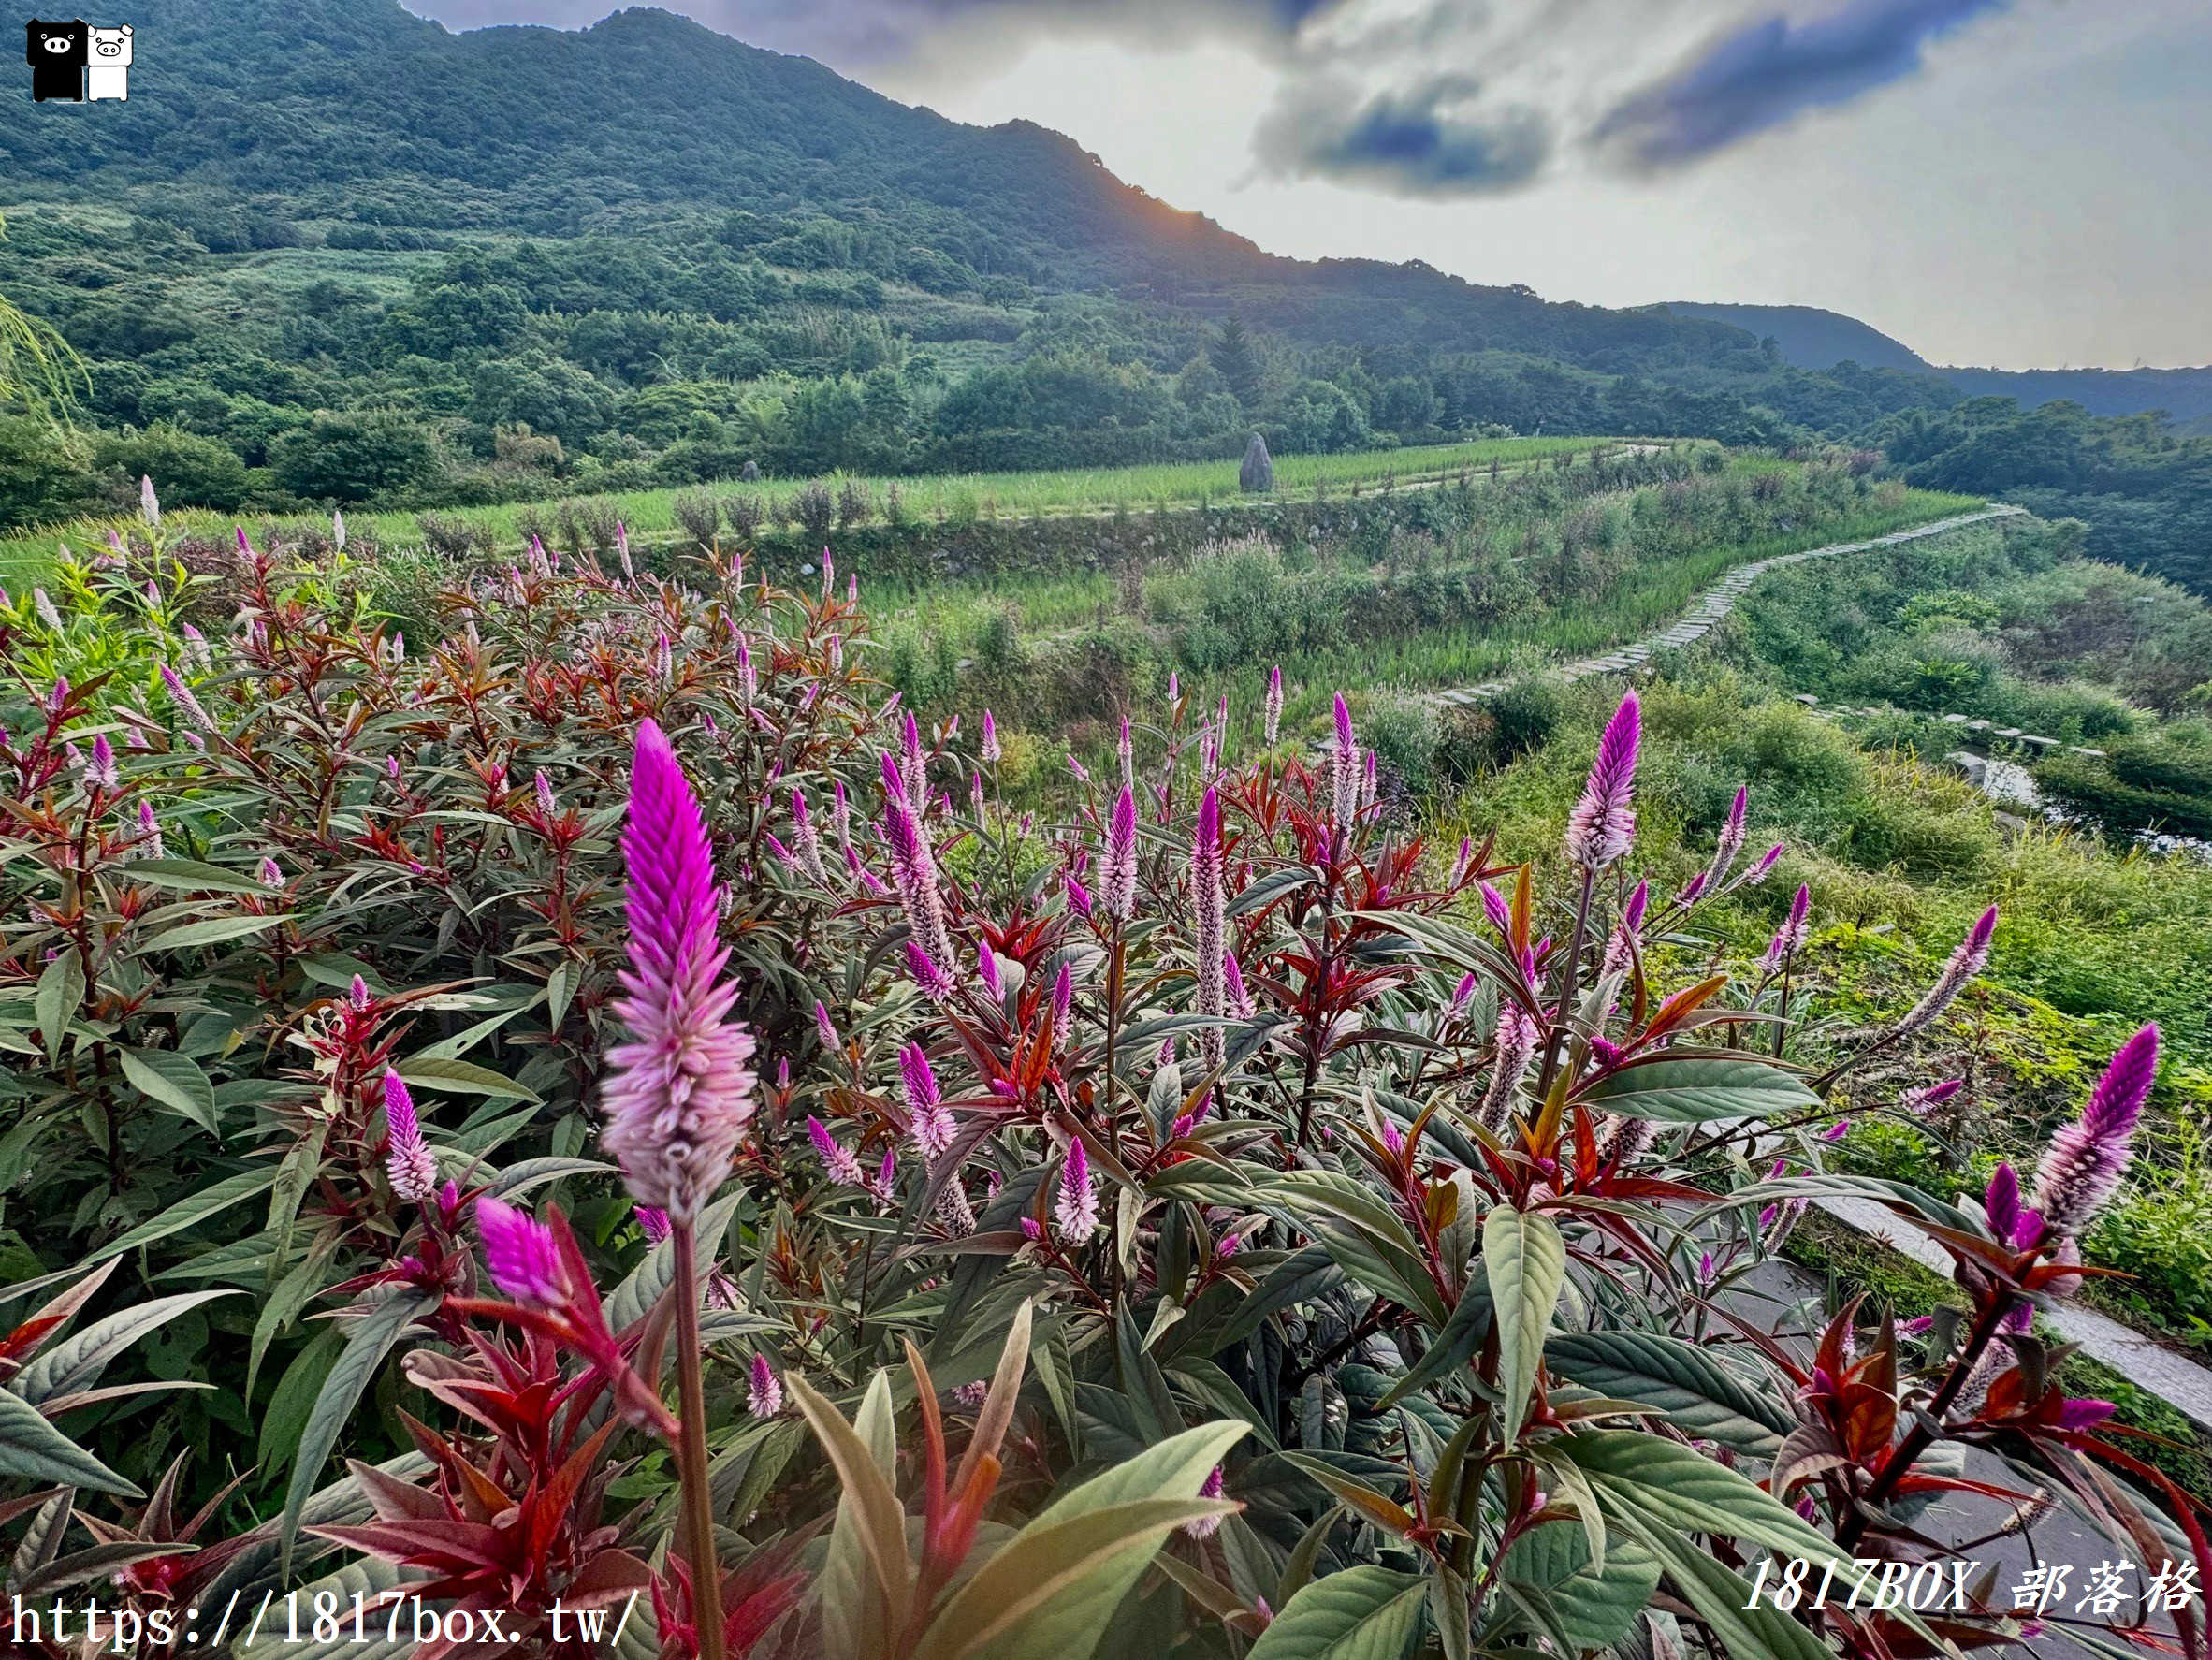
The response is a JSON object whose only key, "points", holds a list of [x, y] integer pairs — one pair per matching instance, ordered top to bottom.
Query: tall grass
{"points": [[932, 497]]}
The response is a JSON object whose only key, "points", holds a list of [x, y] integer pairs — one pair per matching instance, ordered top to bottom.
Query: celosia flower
{"points": [[148, 503], [337, 528], [44, 606], [1175, 687], [183, 696], [1274, 707], [991, 750], [1125, 751], [1344, 766], [913, 768], [100, 771], [543, 786], [1602, 825], [149, 833], [808, 839], [1731, 839], [1460, 862], [1764, 868], [913, 872], [271, 875], [1118, 886], [1689, 892], [1079, 897], [1208, 902], [1495, 907], [1789, 939], [1621, 948], [1968, 960], [987, 967], [930, 975], [1462, 995], [1240, 997], [1063, 1004], [824, 1027], [1519, 1034], [680, 1091], [1919, 1101], [932, 1122], [1836, 1131], [2083, 1166], [843, 1168], [414, 1169], [883, 1184], [2001, 1202], [1077, 1210], [652, 1221], [524, 1260], [763, 1394], [1205, 1527]]}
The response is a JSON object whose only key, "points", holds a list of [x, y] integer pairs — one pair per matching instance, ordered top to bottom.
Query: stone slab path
{"points": [[1715, 603], [2173, 1378]]}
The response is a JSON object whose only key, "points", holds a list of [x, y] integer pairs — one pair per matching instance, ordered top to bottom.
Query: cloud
{"points": [[1768, 72], [1434, 139]]}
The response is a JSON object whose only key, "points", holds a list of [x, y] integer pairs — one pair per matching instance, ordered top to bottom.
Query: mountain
{"points": [[330, 250], [1808, 336], [1811, 338]]}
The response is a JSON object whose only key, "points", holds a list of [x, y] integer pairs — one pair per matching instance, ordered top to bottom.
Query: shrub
{"points": [[855, 505], [813, 510], [745, 513], [699, 515], [590, 523], [453, 538], [1273, 1204]]}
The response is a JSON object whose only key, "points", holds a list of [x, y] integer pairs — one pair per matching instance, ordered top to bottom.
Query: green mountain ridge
{"points": [[331, 252]]}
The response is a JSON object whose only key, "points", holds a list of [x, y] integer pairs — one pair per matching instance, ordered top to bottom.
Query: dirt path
{"points": [[1716, 602]]}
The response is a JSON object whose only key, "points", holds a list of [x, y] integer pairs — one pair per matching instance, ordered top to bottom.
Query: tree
{"points": [[1233, 354], [356, 454], [44, 471], [188, 471]]}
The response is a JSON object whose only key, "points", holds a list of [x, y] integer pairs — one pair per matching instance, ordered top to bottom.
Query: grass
{"points": [[953, 498], [1647, 599]]}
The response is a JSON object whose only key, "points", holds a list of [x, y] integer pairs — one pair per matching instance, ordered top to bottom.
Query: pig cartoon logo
{"points": [[57, 55], [108, 62]]}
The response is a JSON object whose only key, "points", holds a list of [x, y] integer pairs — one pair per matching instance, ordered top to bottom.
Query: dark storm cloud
{"points": [[1770, 71], [1423, 140]]}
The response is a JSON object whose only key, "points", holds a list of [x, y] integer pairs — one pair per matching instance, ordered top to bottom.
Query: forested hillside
{"points": [[329, 252]]}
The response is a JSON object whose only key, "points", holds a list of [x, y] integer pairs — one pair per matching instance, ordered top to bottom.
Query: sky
{"points": [[2019, 184]]}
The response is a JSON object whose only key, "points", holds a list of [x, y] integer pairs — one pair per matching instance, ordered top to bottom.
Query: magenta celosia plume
{"points": [[1273, 708], [1344, 766], [1602, 825], [1119, 888], [1207, 903], [1970, 957], [680, 1091], [2083, 1166], [414, 1171], [1077, 1209], [522, 1255]]}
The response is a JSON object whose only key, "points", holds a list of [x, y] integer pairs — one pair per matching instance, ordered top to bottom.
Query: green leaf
{"points": [[191, 876], [214, 930], [60, 995], [461, 1077], [175, 1080], [1701, 1091], [195, 1207], [1526, 1261], [366, 1346], [1451, 1348], [77, 1364], [1696, 1392], [32, 1449], [1674, 1487], [1095, 1542], [868, 1549], [1548, 1574], [1048, 1592], [1719, 1594], [1363, 1613]]}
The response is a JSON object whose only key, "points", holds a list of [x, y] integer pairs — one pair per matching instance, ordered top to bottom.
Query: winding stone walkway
{"points": [[1716, 602], [2145, 1363]]}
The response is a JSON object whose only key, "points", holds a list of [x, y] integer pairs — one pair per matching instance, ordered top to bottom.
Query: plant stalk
{"points": [[691, 1450]]}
